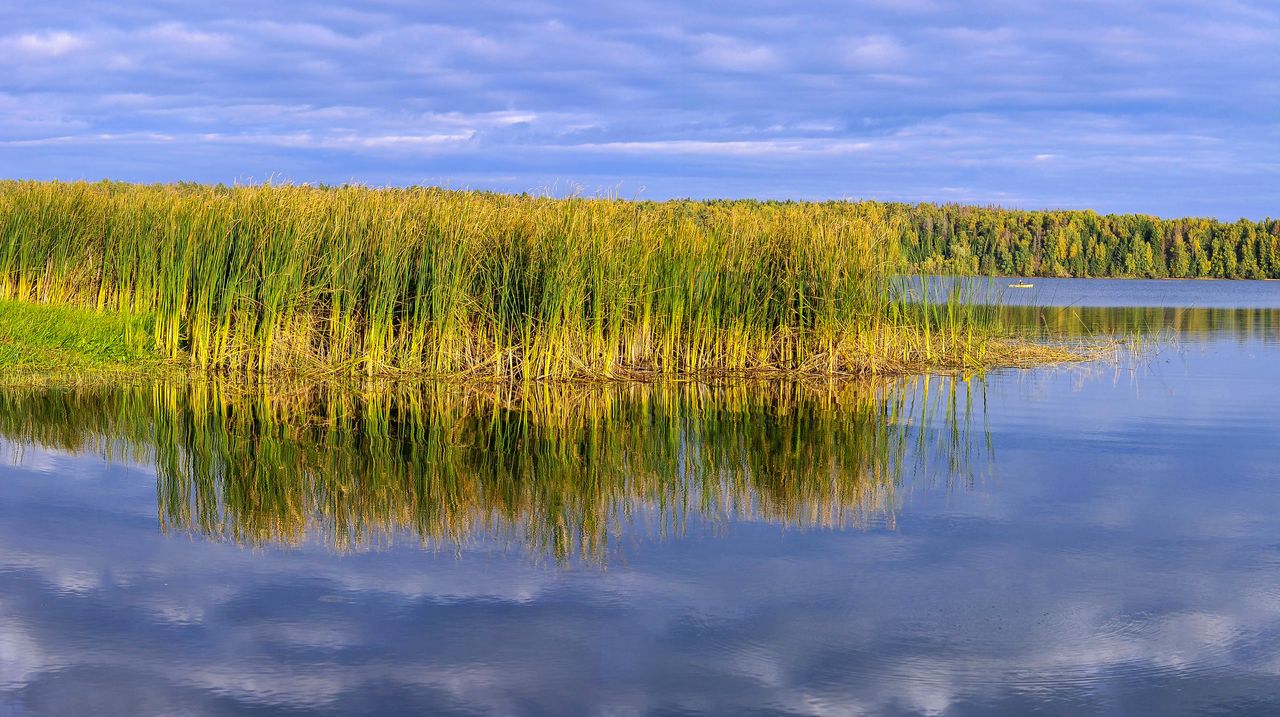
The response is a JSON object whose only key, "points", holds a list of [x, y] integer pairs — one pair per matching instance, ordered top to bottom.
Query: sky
{"points": [[1168, 107]]}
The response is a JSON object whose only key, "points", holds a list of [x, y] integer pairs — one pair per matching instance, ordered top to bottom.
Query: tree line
{"points": [[959, 239]]}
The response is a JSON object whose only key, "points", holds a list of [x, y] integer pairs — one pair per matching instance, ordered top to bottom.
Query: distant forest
{"points": [[978, 240]]}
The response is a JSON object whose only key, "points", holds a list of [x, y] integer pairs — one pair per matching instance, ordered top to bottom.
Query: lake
{"points": [[1090, 538]]}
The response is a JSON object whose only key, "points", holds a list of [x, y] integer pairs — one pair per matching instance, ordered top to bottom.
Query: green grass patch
{"points": [[38, 340]]}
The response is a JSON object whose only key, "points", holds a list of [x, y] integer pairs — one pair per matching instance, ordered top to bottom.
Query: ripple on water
{"points": [[1142, 648]]}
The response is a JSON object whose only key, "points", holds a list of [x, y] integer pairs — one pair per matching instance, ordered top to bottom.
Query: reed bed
{"points": [[276, 280], [561, 470]]}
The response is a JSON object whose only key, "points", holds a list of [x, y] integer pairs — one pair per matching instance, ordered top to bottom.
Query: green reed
{"points": [[428, 282], [560, 470]]}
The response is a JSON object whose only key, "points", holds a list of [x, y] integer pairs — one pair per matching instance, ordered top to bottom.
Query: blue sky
{"points": [[1169, 107]]}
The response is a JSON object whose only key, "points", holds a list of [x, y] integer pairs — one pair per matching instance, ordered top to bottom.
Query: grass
{"points": [[352, 281], [40, 342]]}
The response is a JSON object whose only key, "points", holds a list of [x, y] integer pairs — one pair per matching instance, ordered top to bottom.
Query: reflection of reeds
{"points": [[1089, 322], [559, 468]]}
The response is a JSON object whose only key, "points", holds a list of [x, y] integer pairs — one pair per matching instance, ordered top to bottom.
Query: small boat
{"points": [[1021, 285]]}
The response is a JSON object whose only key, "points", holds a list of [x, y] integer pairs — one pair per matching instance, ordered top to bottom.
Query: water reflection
{"points": [[1100, 293], [1261, 325], [561, 470], [1120, 556]]}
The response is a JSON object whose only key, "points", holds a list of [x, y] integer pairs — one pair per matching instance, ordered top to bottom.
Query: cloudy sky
{"points": [[1162, 106]]}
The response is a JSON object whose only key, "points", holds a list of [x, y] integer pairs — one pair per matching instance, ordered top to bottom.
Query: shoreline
{"points": [[1003, 277], [59, 355], [1029, 356]]}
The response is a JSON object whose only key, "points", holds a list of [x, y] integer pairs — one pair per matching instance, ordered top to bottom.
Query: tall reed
{"points": [[429, 282]]}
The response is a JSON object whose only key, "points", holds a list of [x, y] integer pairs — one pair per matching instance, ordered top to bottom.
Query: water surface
{"points": [[1164, 293], [1096, 538]]}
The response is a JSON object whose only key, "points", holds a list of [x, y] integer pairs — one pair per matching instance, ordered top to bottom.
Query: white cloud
{"points": [[189, 41], [42, 45], [875, 51], [731, 54], [344, 141], [770, 147]]}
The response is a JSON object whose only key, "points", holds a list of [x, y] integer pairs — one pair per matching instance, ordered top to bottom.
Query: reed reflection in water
{"points": [[1259, 324], [562, 470]]}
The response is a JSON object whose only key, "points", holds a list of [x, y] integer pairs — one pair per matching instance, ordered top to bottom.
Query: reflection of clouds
{"points": [[31, 458], [1078, 574], [77, 582], [310, 630], [20, 656]]}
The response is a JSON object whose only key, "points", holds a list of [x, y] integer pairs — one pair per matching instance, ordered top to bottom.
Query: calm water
{"points": [[1166, 293], [1099, 538]]}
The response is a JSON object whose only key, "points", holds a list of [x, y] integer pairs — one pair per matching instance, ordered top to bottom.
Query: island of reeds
{"points": [[424, 282]]}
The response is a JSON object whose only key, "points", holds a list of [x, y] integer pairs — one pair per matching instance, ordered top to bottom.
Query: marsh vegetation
{"points": [[276, 280]]}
